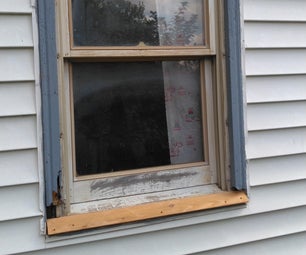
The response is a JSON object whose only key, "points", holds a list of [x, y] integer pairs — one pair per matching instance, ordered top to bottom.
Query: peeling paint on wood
{"points": [[153, 178], [123, 186], [119, 202]]}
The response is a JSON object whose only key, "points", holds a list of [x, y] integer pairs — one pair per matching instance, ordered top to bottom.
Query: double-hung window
{"points": [[142, 97]]}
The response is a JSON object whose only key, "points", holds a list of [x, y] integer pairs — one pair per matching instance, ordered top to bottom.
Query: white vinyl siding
{"points": [[15, 6], [271, 10], [16, 31], [272, 34], [275, 61], [16, 64], [275, 65], [262, 89], [276, 95], [17, 98], [276, 115], [18, 133], [279, 142], [18, 167], [277, 169], [19, 202], [20, 211], [20, 235], [193, 239], [279, 245]]}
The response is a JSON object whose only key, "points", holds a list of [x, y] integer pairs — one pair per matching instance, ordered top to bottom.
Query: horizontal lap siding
{"points": [[15, 6], [271, 10], [16, 31], [275, 35], [275, 61], [16, 64], [275, 66], [276, 88], [17, 98], [276, 115], [18, 121], [18, 133], [279, 142], [18, 167], [277, 169], [277, 196], [19, 201], [20, 211], [274, 220], [20, 235], [196, 238], [273, 246]]}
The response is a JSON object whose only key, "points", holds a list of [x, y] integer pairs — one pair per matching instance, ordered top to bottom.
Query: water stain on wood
{"points": [[151, 179]]}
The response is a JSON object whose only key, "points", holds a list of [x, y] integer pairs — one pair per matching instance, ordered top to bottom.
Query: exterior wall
{"points": [[273, 222]]}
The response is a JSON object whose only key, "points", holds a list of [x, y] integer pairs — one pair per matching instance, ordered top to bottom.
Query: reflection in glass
{"points": [[131, 22], [136, 115]]}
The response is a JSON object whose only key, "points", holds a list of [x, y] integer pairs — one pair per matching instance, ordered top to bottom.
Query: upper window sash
{"points": [[109, 23], [142, 49]]}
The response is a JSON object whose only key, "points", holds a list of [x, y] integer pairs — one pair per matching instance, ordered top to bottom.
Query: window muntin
{"points": [[133, 22], [131, 115]]}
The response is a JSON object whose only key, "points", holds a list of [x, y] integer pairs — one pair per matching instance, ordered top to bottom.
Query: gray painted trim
{"points": [[49, 88], [235, 93]]}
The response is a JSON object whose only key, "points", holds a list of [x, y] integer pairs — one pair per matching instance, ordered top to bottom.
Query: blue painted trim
{"points": [[49, 87], [235, 93]]}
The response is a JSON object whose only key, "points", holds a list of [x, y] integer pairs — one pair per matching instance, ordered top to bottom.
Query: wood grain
{"points": [[142, 212]]}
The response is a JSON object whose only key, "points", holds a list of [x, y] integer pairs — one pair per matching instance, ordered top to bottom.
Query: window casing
{"points": [[94, 192]]}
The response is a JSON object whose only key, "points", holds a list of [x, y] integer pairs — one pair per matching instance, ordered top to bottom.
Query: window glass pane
{"points": [[131, 22], [136, 115]]}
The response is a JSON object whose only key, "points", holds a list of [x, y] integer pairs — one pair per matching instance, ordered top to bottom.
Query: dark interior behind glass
{"points": [[121, 117]]}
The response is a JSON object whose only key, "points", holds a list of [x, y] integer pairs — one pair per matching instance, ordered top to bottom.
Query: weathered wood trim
{"points": [[139, 53], [49, 91], [235, 93], [140, 183], [133, 200], [142, 212]]}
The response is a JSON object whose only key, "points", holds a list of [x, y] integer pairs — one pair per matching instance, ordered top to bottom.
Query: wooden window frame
{"points": [[188, 204]]}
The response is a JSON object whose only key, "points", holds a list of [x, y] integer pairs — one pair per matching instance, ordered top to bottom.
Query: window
{"points": [[142, 111]]}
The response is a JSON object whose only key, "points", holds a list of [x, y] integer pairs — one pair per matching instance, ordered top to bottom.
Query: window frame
{"points": [[51, 115], [74, 187]]}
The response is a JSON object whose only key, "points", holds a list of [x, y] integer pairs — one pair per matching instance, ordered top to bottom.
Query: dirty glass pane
{"points": [[133, 22], [136, 115]]}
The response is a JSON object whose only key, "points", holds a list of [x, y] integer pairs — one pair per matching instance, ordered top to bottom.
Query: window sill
{"points": [[93, 220]]}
